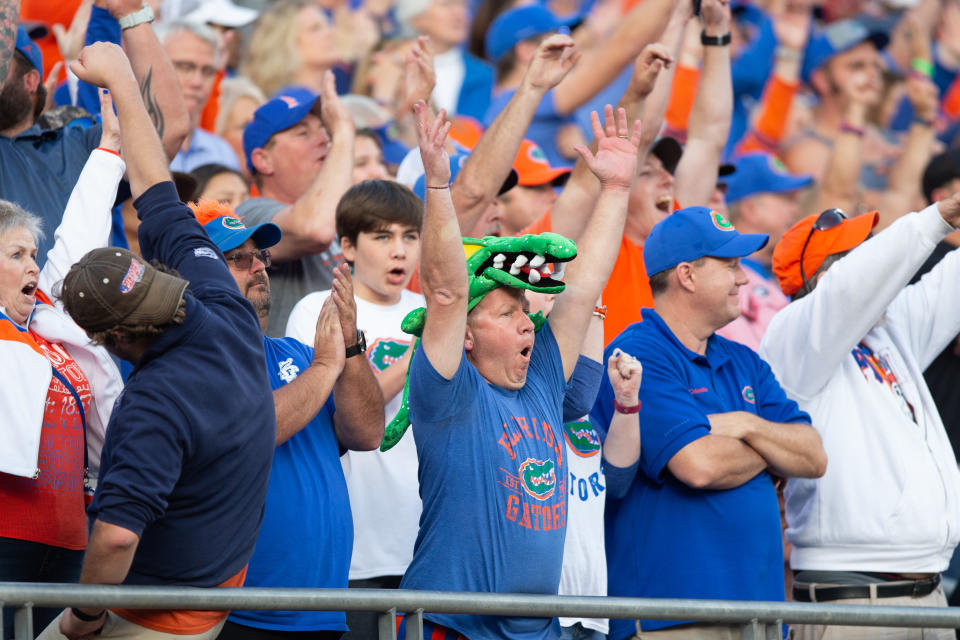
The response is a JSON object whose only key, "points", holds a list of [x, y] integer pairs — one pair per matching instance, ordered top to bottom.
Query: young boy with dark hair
{"points": [[378, 225]]}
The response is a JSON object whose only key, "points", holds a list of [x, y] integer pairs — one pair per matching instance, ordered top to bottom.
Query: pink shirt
{"points": [[760, 299]]}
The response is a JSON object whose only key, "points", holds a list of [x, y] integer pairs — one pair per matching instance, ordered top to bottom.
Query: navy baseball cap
{"points": [[516, 25], [835, 38], [31, 50], [285, 109], [456, 163], [763, 173], [229, 232], [696, 232]]}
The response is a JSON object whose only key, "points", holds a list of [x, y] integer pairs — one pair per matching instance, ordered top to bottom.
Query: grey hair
{"points": [[167, 30], [231, 90], [13, 216], [811, 283]]}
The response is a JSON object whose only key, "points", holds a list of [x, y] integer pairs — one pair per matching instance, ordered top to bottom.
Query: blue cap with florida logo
{"points": [[30, 49], [286, 108], [763, 173], [229, 232], [696, 232]]}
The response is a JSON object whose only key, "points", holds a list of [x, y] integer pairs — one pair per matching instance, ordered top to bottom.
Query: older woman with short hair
{"points": [[56, 389]]}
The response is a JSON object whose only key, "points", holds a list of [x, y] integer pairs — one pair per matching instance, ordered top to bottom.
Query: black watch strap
{"points": [[714, 41], [359, 347], [85, 617]]}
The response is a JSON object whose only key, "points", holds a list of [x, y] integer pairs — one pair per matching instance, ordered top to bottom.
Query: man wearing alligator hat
{"points": [[851, 348], [486, 389], [717, 427]]}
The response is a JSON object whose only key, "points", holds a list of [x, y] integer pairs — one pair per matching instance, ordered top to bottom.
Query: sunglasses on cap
{"points": [[825, 221], [243, 260]]}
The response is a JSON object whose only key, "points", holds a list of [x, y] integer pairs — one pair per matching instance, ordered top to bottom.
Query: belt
{"points": [[825, 593]]}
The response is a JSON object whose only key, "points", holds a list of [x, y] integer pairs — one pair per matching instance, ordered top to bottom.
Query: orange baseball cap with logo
{"points": [[533, 169], [819, 244]]}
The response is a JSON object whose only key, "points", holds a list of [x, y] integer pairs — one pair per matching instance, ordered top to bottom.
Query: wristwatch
{"points": [[145, 14], [714, 41], [359, 347]]}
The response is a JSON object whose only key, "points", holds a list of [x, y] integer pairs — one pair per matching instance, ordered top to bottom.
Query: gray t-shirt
{"points": [[290, 281]]}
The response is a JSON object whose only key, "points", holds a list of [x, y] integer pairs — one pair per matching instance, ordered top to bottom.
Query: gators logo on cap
{"points": [[291, 102], [536, 154], [777, 166], [720, 222], [233, 223], [383, 353], [749, 395], [582, 438], [538, 478]]}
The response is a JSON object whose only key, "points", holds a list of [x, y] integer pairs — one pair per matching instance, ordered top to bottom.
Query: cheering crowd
{"points": [[646, 298]]}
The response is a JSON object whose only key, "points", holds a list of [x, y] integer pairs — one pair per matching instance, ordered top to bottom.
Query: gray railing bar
{"points": [[726, 611], [23, 621], [387, 625], [414, 625]]}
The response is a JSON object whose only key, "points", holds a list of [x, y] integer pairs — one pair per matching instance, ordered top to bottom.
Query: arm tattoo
{"points": [[9, 18], [150, 102]]}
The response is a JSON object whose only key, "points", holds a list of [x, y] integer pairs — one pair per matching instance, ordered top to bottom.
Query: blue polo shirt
{"points": [[663, 538]]}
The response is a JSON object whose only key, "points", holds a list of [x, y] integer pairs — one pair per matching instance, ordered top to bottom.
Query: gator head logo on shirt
{"points": [[720, 222], [232, 223], [383, 353], [749, 395], [582, 438], [538, 478]]}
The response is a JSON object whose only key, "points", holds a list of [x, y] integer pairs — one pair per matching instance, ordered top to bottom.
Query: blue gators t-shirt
{"points": [[493, 484], [307, 533], [665, 539]]}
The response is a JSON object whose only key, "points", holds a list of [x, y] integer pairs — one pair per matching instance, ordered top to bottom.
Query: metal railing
{"points": [[758, 620]]}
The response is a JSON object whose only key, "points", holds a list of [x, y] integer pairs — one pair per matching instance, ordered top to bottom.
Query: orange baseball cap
{"points": [[533, 169], [786, 256]]}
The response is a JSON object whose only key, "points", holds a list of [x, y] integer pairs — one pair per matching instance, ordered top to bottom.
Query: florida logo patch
{"points": [[720, 222], [233, 223], [132, 276], [384, 352], [748, 394], [582, 438], [538, 478]]}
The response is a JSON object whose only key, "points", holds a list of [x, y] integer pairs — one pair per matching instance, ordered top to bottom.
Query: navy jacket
{"points": [[190, 441]]}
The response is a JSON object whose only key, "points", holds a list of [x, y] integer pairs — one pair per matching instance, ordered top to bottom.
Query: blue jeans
{"points": [[24, 561], [579, 632]]}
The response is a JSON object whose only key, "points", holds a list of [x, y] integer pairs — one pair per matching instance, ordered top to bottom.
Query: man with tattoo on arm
{"points": [[38, 168]]}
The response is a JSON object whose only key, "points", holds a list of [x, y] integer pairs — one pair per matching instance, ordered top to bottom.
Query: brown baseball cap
{"points": [[110, 287]]}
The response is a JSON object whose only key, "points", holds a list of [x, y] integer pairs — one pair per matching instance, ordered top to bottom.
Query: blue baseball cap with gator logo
{"points": [[31, 50], [763, 173], [229, 232], [696, 232]]}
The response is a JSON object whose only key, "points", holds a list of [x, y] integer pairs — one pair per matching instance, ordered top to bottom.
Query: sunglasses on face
{"points": [[827, 220], [243, 260]]}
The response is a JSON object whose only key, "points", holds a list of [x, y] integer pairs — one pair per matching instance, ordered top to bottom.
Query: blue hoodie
{"points": [[191, 438]]}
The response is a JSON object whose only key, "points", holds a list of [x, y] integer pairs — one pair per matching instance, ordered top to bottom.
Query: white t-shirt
{"points": [[383, 487], [584, 570]]}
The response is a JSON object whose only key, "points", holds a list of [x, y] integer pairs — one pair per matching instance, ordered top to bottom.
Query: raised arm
{"points": [[9, 19], [641, 26], [105, 65], [157, 80], [709, 124], [489, 164], [615, 165], [572, 209], [309, 224], [443, 267], [359, 404], [622, 446]]}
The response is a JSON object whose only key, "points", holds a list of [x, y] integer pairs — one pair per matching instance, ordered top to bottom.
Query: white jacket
{"points": [[25, 373], [890, 499]]}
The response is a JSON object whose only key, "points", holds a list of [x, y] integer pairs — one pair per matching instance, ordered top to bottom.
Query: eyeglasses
{"points": [[188, 68], [825, 221], [243, 260]]}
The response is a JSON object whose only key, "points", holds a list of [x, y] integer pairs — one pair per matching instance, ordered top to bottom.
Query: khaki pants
{"points": [[935, 598], [117, 627], [693, 631]]}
